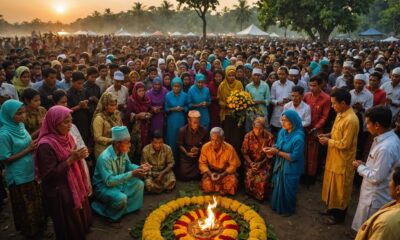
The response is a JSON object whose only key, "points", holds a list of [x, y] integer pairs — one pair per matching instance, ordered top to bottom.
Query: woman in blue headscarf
{"points": [[315, 68], [199, 99], [176, 106], [16, 154], [289, 163]]}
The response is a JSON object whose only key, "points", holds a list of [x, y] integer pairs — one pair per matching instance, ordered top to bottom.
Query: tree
{"points": [[201, 7], [243, 12], [313, 16], [391, 16]]}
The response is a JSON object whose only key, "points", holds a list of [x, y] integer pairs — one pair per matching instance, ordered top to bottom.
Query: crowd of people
{"points": [[92, 123]]}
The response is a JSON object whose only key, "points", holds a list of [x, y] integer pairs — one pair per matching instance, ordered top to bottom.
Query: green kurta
{"points": [[160, 160], [116, 191]]}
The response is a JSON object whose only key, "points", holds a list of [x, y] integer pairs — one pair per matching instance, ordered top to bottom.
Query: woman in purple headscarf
{"points": [[157, 99], [59, 166]]}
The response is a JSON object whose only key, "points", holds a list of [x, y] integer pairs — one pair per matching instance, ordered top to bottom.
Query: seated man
{"points": [[190, 140], [160, 157], [218, 163], [117, 186]]}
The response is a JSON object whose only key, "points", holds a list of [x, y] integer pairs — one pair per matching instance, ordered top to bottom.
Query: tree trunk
{"points": [[204, 29], [324, 35]]}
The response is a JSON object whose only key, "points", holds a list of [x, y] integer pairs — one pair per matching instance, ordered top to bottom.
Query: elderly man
{"points": [[392, 89], [191, 138], [159, 156], [218, 163], [116, 181]]}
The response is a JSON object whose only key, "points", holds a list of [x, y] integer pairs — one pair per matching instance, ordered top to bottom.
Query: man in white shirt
{"points": [[347, 71], [295, 77], [103, 81], [392, 89], [119, 90], [7, 91], [280, 95], [361, 98], [299, 105], [383, 158]]}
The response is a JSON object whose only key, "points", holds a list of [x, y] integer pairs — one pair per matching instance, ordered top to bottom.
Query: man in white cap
{"points": [[347, 74], [294, 76], [119, 90], [392, 90], [259, 91], [361, 98], [116, 181]]}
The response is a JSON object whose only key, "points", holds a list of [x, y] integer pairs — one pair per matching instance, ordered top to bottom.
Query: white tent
{"points": [[252, 30], [122, 32], [63, 33], [79, 33], [91, 33], [145, 34], [175, 34], [191, 34], [211, 34], [230, 34], [274, 35], [390, 39]]}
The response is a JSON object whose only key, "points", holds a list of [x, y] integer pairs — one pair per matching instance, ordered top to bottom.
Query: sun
{"points": [[60, 9]]}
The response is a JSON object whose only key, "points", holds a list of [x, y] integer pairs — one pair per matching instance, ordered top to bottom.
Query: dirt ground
{"points": [[305, 224]]}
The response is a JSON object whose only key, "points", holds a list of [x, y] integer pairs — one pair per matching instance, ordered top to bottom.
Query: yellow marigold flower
{"points": [[207, 199], [181, 202], [226, 202], [173, 205], [235, 205], [243, 208], [248, 215], [222, 216], [185, 219], [226, 223], [260, 226], [179, 231], [230, 233], [257, 233], [187, 237]]}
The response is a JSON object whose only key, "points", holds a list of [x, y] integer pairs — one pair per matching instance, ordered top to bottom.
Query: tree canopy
{"points": [[314, 17]]}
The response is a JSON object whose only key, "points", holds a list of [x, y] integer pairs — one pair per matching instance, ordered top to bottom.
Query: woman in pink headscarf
{"points": [[60, 168]]}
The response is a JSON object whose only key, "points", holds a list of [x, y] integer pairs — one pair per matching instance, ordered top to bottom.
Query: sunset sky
{"points": [[68, 10]]}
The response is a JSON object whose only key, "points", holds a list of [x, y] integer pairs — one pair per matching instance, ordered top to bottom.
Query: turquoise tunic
{"points": [[196, 96], [175, 120], [117, 191]]}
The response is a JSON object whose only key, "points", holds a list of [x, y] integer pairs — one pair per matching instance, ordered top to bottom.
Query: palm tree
{"points": [[138, 10], [243, 12]]}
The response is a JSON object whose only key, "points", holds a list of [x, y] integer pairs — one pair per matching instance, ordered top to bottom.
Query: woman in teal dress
{"points": [[199, 99], [176, 106], [16, 154], [289, 163]]}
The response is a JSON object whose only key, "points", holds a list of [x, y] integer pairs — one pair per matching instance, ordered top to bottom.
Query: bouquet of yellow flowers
{"points": [[241, 104]]}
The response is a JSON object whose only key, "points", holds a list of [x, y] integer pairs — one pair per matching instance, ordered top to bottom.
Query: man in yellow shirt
{"points": [[342, 147], [218, 163]]}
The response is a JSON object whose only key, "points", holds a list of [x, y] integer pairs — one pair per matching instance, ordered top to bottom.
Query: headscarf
{"points": [[54, 63], [315, 68], [199, 77], [157, 80], [177, 80], [16, 81], [225, 89], [105, 99], [140, 104], [7, 113], [295, 120], [63, 145]]}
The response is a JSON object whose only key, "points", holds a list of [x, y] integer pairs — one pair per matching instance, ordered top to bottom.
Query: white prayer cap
{"points": [[62, 56], [357, 57], [233, 59], [254, 60], [161, 61], [348, 64], [379, 66], [256, 71], [293, 71], [396, 71], [360, 77]]}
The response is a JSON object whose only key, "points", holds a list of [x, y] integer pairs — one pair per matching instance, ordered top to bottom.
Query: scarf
{"points": [[16, 81], [225, 89], [140, 104], [7, 123]]}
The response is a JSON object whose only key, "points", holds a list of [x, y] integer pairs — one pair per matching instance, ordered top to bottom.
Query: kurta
{"points": [[196, 96], [157, 99], [320, 106], [175, 120], [102, 131], [159, 160], [225, 160], [188, 168], [339, 172], [376, 173], [117, 191], [383, 225]]}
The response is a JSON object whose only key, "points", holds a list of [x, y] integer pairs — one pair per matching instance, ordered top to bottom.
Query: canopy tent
{"points": [[252, 30], [122, 32], [372, 32], [63, 33], [80, 33], [84, 33], [91, 33], [157, 33], [144, 34], [176, 34], [190, 34], [230, 34], [211, 35], [274, 35], [390, 39]]}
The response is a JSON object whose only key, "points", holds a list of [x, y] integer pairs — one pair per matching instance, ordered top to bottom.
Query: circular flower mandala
{"points": [[186, 227]]}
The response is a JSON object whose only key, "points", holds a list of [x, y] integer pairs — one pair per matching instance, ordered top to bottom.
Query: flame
{"points": [[209, 222]]}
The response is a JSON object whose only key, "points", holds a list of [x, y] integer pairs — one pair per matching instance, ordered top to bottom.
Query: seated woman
{"points": [[106, 116], [159, 156], [218, 163], [289, 163], [258, 167], [60, 168], [117, 186], [384, 224]]}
